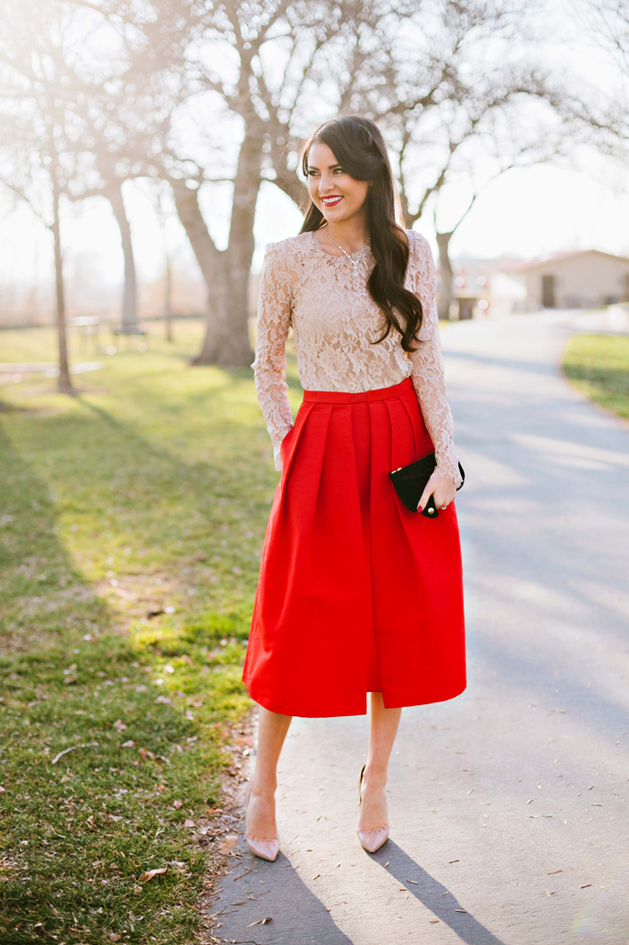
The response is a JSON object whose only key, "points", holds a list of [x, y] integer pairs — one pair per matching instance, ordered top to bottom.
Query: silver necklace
{"points": [[355, 260]]}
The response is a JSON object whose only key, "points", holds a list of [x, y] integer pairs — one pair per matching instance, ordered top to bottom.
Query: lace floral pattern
{"points": [[334, 319]]}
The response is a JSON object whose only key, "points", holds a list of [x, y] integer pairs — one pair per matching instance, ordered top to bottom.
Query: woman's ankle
{"points": [[375, 778], [263, 787]]}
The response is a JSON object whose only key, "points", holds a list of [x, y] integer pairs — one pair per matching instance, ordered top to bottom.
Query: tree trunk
{"points": [[206, 253], [226, 272], [446, 275], [168, 300], [129, 323], [64, 384]]}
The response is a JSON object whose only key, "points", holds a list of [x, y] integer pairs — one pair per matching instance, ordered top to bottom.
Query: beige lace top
{"points": [[334, 318]]}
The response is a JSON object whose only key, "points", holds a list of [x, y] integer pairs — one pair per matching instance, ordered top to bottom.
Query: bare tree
{"points": [[606, 24], [611, 29], [270, 51], [276, 68], [119, 70], [52, 75], [465, 78], [126, 111], [37, 112], [506, 143], [163, 212]]}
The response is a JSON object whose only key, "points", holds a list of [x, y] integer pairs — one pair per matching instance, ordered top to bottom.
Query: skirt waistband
{"points": [[346, 397]]}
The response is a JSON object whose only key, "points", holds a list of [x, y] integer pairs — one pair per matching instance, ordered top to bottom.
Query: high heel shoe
{"points": [[370, 840], [266, 849]]}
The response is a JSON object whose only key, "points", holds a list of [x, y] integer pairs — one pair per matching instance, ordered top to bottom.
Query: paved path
{"points": [[509, 805]]}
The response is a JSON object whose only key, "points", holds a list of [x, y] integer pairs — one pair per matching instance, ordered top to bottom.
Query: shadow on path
{"points": [[526, 365], [434, 896], [298, 916]]}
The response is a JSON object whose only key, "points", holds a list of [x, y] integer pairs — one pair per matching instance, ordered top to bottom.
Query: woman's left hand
{"points": [[442, 487]]}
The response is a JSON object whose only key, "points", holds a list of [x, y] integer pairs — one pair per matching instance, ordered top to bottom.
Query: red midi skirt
{"points": [[356, 594]]}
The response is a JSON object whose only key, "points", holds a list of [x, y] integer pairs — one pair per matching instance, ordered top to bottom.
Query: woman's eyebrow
{"points": [[311, 167]]}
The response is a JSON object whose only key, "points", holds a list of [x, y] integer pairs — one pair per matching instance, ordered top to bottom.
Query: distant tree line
{"points": [[194, 95]]}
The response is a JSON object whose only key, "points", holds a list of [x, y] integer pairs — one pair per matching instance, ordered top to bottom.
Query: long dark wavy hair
{"points": [[359, 148]]}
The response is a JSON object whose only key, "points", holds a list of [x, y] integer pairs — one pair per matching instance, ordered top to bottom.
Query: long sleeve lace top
{"points": [[334, 319]]}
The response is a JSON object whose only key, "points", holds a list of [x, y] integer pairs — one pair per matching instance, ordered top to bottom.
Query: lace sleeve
{"points": [[269, 365], [428, 371]]}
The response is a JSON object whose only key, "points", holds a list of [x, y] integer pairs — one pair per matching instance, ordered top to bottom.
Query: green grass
{"points": [[598, 365], [131, 525]]}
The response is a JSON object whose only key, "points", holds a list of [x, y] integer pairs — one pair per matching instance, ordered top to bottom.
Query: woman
{"points": [[356, 593]]}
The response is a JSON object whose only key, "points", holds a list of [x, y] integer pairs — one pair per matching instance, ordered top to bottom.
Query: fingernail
{"points": [[420, 508]]}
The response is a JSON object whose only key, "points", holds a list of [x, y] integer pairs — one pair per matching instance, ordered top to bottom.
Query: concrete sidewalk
{"points": [[509, 805]]}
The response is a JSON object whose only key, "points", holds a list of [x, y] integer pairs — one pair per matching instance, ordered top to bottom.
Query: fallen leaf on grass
{"points": [[119, 725], [128, 744], [177, 804], [189, 823], [228, 843], [151, 873], [114, 937]]}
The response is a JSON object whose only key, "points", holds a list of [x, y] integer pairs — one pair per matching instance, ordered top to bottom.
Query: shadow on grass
{"points": [[42, 594], [100, 765]]}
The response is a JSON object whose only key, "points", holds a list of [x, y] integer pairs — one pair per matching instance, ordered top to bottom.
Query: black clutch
{"points": [[410, 481]]}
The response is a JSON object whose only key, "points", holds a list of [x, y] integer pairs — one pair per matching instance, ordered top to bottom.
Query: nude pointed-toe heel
{"points": [[370, 840], [266, 848]]}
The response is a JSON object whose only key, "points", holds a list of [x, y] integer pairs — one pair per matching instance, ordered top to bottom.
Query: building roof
{"points": [[554, 258]]}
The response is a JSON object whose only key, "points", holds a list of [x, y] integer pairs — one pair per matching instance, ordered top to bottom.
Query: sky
{"points": [[528, 212]]}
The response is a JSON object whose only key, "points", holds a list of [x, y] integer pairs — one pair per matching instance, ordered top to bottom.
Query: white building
{"points": [[579, 279]]}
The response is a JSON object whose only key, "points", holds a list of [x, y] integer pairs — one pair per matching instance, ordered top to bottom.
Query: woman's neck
{"points": [[350, 234]]}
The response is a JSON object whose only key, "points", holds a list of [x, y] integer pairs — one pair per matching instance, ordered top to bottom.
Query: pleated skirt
{"points": [[356, 594]]}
